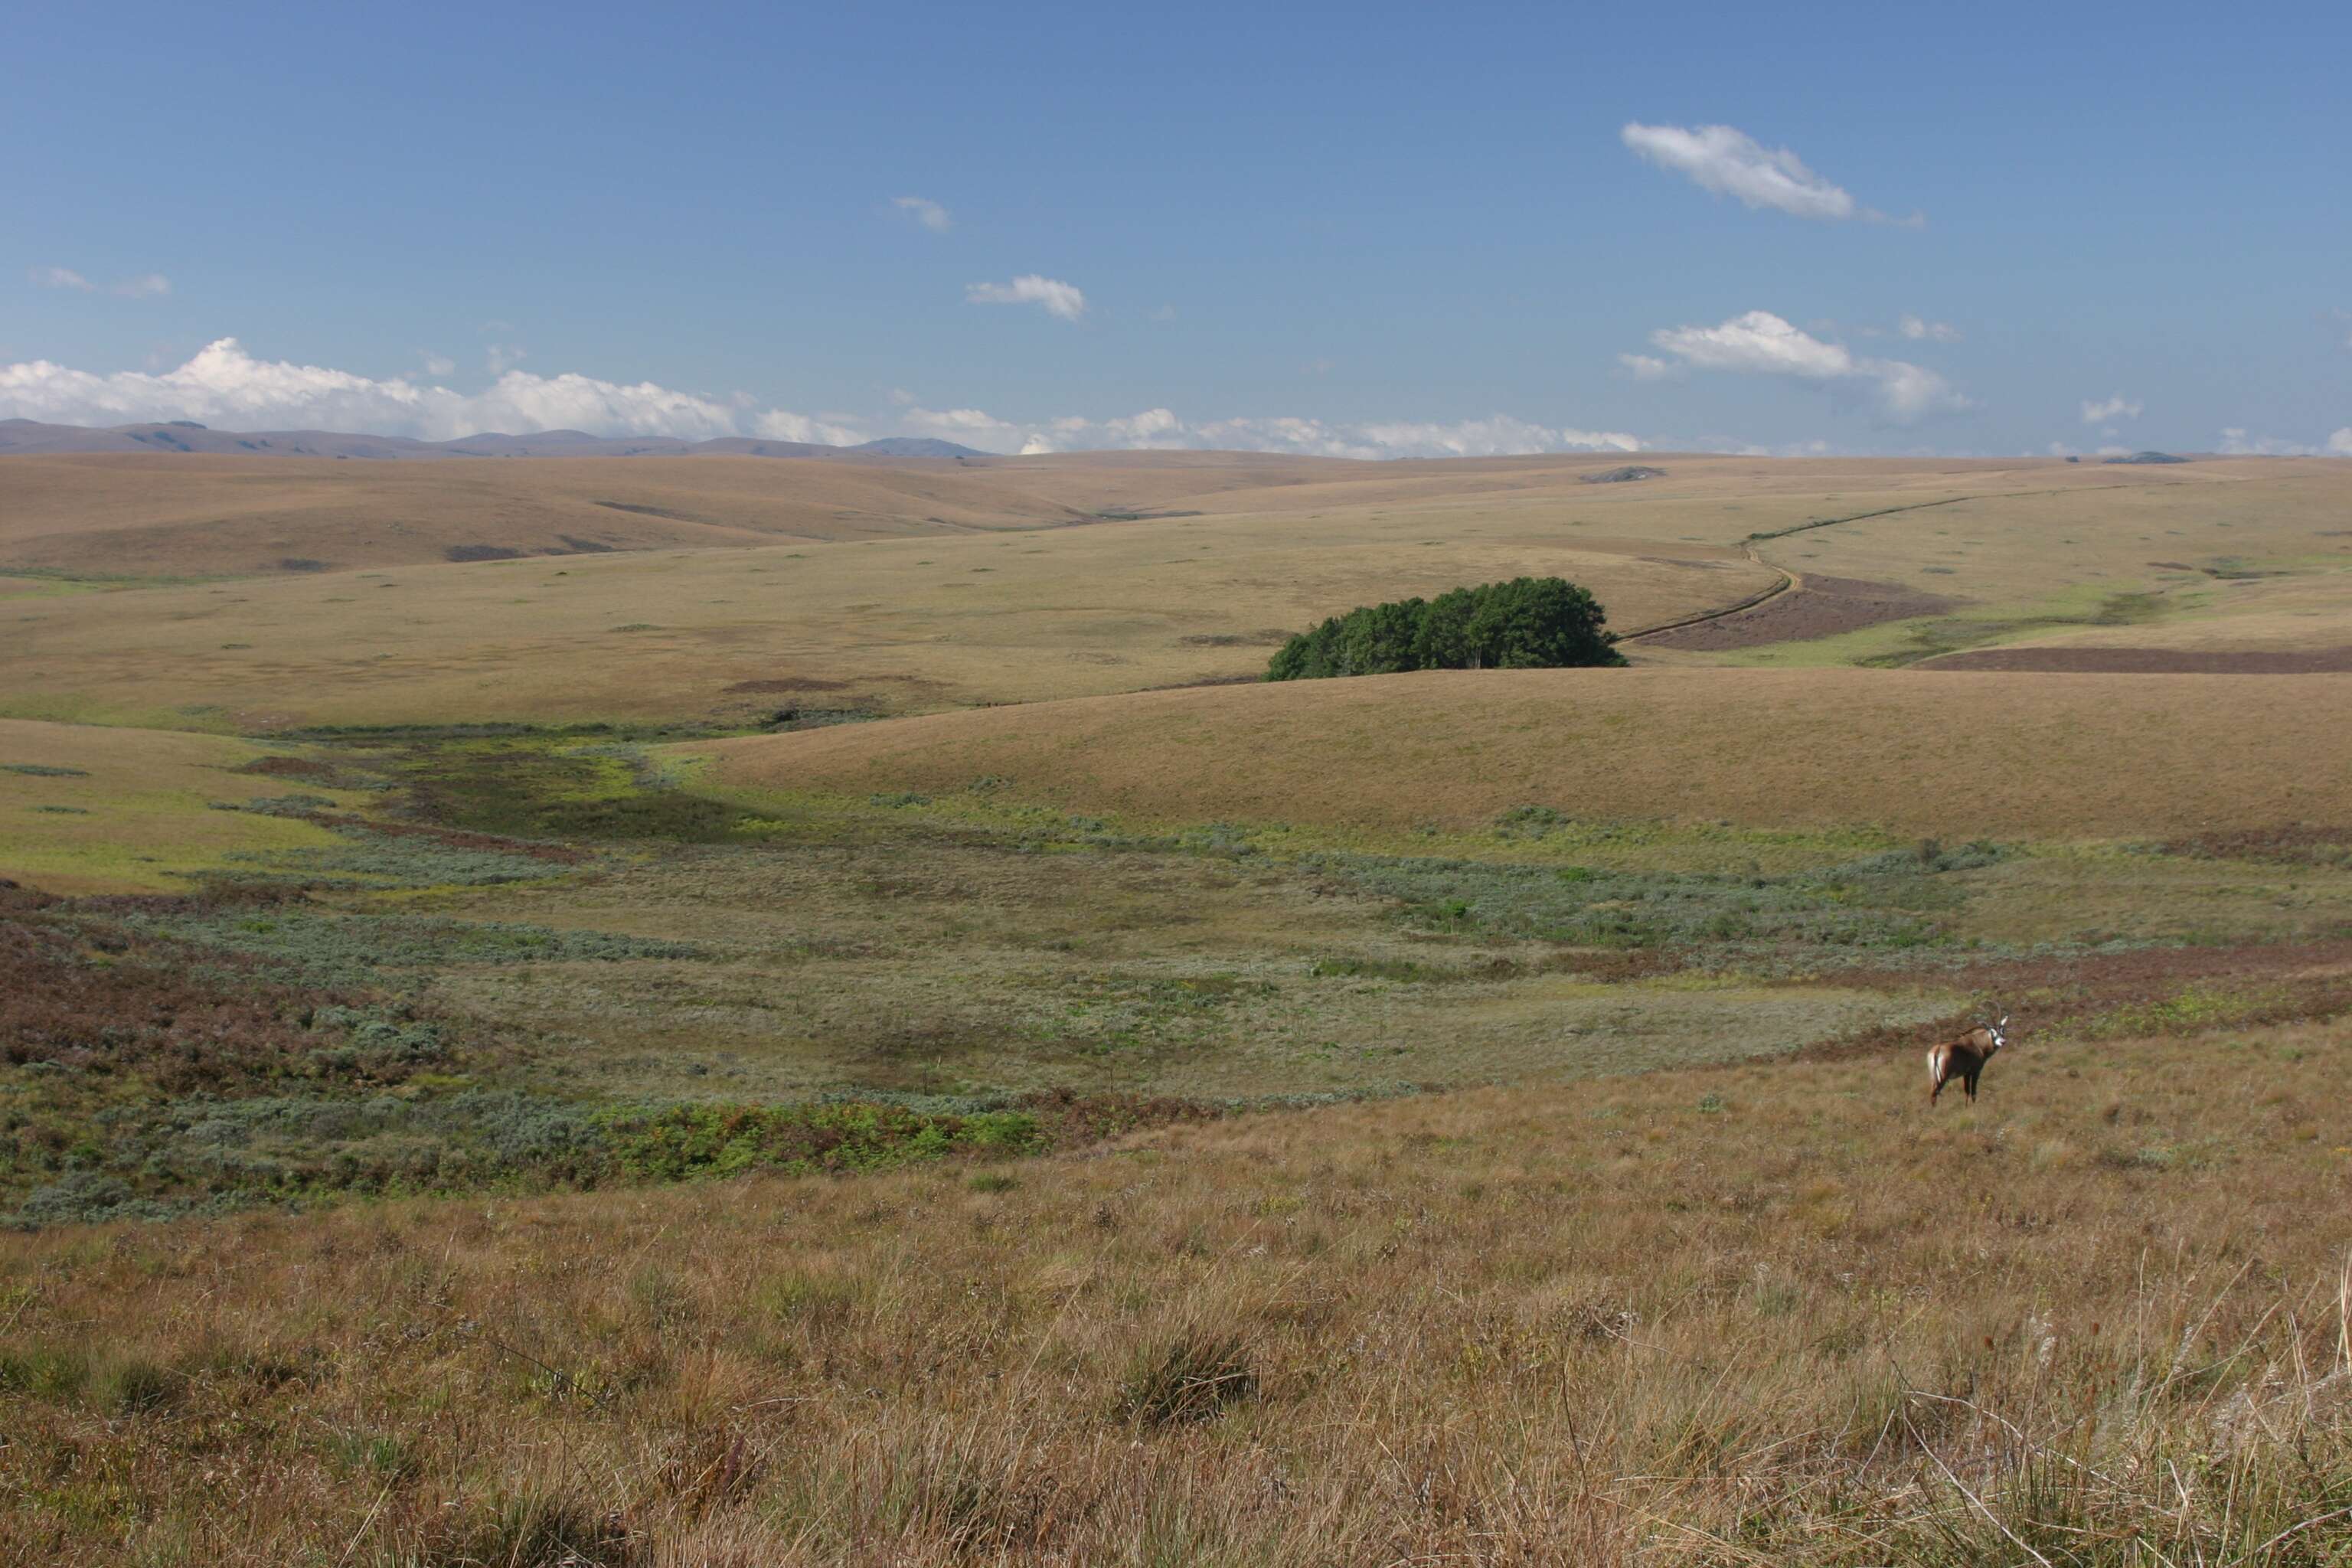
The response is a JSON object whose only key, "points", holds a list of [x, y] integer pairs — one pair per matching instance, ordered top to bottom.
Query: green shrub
{"points": [[1528, 622]]}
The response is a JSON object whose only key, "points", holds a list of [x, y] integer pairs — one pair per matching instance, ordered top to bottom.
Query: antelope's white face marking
{"points": [[1994, 1030]]}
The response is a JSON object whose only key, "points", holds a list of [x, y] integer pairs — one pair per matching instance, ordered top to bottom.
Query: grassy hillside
{"points": [[157, 515], [732, 636], [1912, 752], [1740, 1316]]}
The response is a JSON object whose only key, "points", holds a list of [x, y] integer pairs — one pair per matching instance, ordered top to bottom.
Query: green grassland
{"points": [[487, 957]]}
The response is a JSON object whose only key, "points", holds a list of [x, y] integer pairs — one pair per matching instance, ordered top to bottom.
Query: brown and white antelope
{"points": [[1964, 1058]]}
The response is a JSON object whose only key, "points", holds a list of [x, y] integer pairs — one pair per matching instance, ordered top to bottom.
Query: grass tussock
{"points": [[1762, 1314]]}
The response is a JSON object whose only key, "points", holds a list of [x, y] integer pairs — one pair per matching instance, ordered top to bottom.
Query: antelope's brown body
{"points": [[1963, 1059]]}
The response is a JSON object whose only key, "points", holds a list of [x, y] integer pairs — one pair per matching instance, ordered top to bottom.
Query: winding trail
{"points": [[1791, 582]]}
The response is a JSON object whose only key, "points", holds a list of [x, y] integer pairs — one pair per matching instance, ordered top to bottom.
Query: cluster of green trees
{"points": [[1528, 622]]}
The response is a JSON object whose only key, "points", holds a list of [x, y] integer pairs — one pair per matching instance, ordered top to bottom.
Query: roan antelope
{"points": [[1964, 1058]]}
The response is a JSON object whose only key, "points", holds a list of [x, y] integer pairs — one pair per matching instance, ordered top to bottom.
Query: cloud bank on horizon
{"points": [[225, 386], [1159, 430]]}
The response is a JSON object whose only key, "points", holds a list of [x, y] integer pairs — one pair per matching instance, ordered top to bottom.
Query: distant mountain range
{"points": [[30, 436]]}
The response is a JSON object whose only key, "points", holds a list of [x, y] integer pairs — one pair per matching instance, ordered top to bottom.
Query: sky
{"points": [[1368, 230]]}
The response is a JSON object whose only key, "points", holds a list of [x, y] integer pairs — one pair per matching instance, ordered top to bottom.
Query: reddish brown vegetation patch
{"points": [[1817, 607], [2150, 660], [801, 683], [288, 768], [459, 838], [2298, 844], [2284, 983], [96, 1000], [1072, 1120]]}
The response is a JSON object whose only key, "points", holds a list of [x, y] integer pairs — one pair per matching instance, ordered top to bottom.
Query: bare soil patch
{"points": [[1817, 607], [2150, 660]]}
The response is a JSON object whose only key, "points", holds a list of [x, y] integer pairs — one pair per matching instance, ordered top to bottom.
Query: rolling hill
{"points": [[2047, 755]]}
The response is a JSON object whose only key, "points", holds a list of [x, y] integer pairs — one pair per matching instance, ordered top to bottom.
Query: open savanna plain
{"points": [[841, 1024]]}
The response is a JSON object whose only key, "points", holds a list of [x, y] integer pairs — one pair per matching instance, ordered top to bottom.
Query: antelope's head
{"points": [[1999, 1039]]}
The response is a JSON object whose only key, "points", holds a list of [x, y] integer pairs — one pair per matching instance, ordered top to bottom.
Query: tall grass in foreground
{"points": [[1763, 1314]]}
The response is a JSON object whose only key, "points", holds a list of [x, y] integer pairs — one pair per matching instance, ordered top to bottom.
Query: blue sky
{"points": [[1384, 230]]}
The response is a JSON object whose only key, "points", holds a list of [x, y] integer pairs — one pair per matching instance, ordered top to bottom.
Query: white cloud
{"points": [[1730, 163], [924, 211], [146, 286], [1059, 298], [1935, 332], [1760, 343], [503, 357], [437, 365], [1645, 367], [227, 387], [2115, 407], [1161, 429], [2236, 443]]}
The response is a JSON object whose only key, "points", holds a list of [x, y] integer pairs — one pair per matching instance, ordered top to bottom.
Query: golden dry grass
{"points": [[152, 514], [148, 515], [994, 603], [896, 625], [2055, 756], [132, 812], [1751, 1315]]}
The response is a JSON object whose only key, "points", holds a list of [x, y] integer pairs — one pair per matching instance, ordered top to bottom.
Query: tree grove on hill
{"points": [[1528, 622]]}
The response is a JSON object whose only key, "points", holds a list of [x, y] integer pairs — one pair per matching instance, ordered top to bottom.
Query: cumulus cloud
{"points": [[1730, 163], [925, 211], [146, 286], [1056, 298], [1915, 328], [1762, 343], [1645, 367], [227, 387], [2115, 407], [1161, 429], [2340, 443]]}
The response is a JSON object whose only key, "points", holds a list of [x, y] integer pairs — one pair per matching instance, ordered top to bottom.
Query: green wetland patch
{"points": [[525, 960]]}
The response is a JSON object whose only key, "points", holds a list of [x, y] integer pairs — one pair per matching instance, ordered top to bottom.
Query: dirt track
{"points": [[1815, 608]]}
